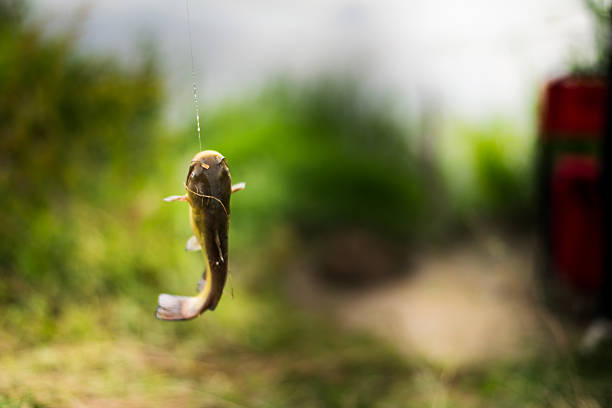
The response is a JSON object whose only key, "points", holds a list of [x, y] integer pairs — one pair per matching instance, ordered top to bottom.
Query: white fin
{"points": [[238, 187], [175, 198], [193, 244], [178, 307]]}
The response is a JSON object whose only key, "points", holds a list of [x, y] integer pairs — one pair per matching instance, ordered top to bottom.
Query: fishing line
{"points": [[193, 76]]}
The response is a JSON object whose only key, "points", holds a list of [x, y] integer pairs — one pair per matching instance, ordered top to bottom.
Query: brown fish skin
{"points": [[209, 188]]}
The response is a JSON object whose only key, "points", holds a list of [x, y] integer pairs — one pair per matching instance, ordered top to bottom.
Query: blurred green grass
{"points": [[488, 173], [86, 243]]}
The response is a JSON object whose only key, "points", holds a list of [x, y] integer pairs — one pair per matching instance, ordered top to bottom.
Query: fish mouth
{"points": [[206, 154], [207, 159], [207, 168], [209, 178], [217, 199]]}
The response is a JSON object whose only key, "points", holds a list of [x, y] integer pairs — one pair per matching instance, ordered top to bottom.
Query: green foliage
{"points": [[76, 138], [320, 156], [84, 164], [488, 173], [558, 380], [23, 402]]}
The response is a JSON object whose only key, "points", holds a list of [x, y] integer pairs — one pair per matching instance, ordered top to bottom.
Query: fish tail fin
{"points": [[172, 307], [179, 307]]}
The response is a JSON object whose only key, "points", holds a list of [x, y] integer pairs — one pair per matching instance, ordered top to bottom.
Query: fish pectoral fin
{"points": [[238, 187], [176, 198], [193, 244], [178, 307]]}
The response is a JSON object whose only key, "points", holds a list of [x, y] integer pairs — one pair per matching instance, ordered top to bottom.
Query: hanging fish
{"points": [[209, 187]]}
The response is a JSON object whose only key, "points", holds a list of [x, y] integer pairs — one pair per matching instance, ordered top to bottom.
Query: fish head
{"points": [[209, 175]]}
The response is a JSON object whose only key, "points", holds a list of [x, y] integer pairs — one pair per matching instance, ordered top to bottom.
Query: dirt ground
{"points": [[476, 303]]}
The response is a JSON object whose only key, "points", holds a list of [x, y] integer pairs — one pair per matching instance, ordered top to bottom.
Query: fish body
{"points": [[209, 188]]}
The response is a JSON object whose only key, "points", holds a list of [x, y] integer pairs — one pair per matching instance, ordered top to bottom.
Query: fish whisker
{"points": [[208, 196]]}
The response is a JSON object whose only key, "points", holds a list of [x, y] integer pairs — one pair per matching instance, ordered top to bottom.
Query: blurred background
{"points": [[422, 223]]}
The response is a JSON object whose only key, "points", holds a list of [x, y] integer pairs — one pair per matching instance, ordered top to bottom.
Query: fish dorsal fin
{"points": [[193, 244]]}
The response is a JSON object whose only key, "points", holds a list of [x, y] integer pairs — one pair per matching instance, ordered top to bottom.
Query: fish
{"points": [[208, 191]]}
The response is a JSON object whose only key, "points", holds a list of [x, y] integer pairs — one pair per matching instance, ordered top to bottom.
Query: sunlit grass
{"points": [[254, 352]]}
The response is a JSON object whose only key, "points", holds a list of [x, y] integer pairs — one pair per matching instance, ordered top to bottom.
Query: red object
{"points": [[574, 109], [576, 226]]}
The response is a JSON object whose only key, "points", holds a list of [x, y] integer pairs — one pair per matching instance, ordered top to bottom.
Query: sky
{"points": [[472, 59]]}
